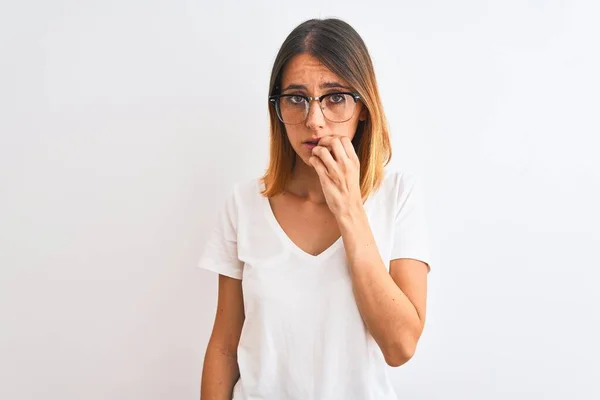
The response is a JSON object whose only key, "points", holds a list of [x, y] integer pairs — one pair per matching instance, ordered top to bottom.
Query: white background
{"points": [[124, 123]]}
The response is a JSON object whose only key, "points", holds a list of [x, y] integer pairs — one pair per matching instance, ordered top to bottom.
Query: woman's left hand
{"points": [[338, 168]]}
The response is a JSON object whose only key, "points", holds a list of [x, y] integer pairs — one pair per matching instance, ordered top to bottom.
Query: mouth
{"points": [[312, 142]]}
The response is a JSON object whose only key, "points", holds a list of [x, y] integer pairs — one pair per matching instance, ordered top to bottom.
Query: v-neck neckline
{"points": [[278, 229]]}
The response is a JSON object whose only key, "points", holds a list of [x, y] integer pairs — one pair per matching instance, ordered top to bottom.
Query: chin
{"points": [[305, 161]]}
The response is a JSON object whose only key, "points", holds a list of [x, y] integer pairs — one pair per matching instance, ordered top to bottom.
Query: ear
{"points": [[363, 114]]}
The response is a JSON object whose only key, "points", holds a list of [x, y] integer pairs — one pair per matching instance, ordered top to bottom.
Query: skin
{"points": [[306, 70], [325, 187]]}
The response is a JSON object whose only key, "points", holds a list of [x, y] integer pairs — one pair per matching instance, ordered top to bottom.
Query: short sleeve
{"points": [[411, 236], [220, 250]]}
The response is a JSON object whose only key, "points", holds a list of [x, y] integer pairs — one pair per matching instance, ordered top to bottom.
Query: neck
{"points": [[305, 183]]}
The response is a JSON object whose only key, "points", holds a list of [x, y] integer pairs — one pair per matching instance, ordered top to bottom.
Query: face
{"points": [[316, 80]]}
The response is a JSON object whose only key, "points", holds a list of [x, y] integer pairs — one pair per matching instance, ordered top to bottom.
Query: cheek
{"points": [[348, 129], [293, 133]]}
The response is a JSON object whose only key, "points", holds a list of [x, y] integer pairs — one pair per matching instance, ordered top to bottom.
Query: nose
{"points": [[315, 118]]}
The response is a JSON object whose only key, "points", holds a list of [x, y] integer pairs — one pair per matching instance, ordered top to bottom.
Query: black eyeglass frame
{"points": [[273, 99]]}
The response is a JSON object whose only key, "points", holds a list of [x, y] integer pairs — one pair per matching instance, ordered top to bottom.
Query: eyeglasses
{"points": [[293, 109]]}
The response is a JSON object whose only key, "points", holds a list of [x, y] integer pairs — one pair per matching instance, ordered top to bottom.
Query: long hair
{"points": [[340, 48]]}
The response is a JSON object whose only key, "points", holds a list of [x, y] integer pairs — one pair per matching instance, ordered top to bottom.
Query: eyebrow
{"points": [[324, 85]]}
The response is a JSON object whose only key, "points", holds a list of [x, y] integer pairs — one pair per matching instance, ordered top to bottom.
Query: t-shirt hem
{"points": [[414, 257], [213, 266]]}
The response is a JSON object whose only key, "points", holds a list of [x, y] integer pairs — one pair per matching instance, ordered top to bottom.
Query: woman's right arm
{"points": [[221, 371]]}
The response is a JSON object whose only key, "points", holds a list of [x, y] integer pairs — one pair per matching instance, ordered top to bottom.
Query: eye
{"points": [[336, 98], [295, 99]]}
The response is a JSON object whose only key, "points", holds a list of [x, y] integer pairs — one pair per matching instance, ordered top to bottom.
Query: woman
{"points": [[323, 261]]}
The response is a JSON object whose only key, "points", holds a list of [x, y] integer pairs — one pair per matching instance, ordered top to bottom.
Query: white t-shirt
{"points": [[303, 336]]}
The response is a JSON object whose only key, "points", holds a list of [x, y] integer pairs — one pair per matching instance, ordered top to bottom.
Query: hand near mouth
{"points": [[338, 167]]}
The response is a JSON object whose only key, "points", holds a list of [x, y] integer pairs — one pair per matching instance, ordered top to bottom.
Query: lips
{"points": [[312, 142]]}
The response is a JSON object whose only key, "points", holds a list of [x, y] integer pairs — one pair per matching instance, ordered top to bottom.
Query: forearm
{"points": [[389, 315], [219, 374]]}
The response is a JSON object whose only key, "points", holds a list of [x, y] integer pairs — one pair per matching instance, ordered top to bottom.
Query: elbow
{"points": [[400, 352], [398, 357]]}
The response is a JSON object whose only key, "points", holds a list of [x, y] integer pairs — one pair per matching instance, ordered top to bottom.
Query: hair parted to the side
{"points": [[340, 48]]}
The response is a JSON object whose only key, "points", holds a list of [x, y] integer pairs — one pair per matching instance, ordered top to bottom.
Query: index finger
{"points": [[349, 147]]}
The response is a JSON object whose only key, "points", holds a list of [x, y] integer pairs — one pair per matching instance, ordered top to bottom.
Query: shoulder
{"points": [[398, 183], [246, 187], [244, 192], [241, 198]]}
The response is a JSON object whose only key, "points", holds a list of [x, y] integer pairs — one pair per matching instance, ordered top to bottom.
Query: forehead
{"points": [[306, 69]]}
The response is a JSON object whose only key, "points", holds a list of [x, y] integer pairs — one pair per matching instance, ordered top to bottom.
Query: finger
{"points": [[331, 142], [349, 148], [338, 150], [325, 156], [318, 165]]}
